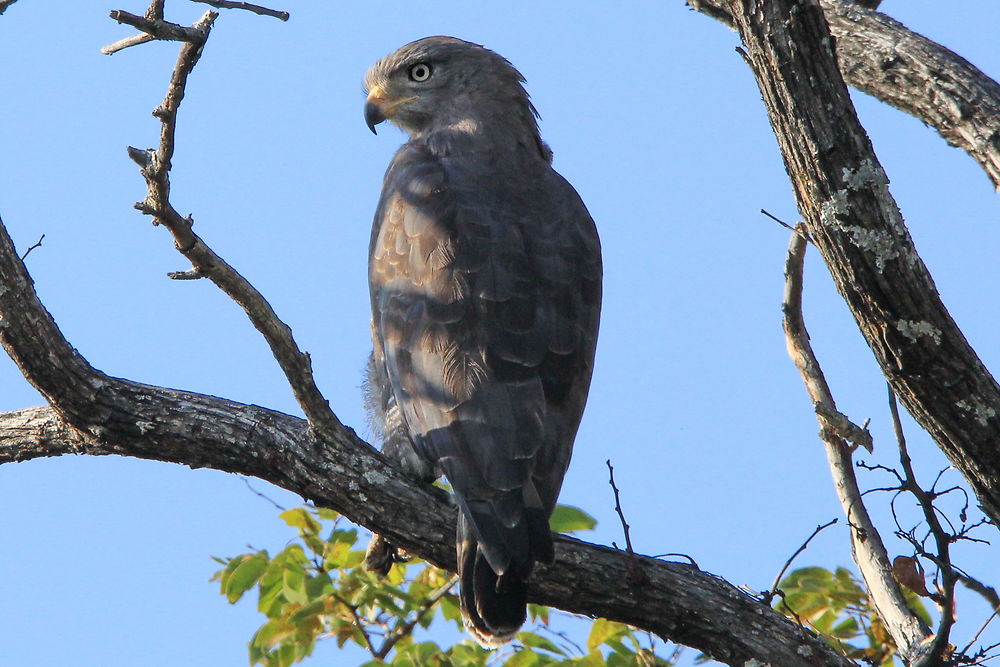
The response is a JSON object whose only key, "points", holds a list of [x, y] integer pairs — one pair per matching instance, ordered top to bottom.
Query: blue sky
{"points": [[652, 116]]}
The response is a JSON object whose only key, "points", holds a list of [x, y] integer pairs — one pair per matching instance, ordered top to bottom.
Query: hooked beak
{"points": [[375, 108]]}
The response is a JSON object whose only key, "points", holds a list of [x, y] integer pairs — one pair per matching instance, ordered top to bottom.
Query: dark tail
{"points": [[494, 606]]}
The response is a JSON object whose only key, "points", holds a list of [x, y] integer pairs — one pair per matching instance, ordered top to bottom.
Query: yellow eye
{"points": [[420, 72]]}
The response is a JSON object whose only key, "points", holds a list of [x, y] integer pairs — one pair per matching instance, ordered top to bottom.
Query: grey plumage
{"points": [[485, 277]]}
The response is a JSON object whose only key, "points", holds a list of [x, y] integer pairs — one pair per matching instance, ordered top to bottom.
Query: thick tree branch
{"points": [[881, 57], [843, 196], [96, 414], [907, 630]]}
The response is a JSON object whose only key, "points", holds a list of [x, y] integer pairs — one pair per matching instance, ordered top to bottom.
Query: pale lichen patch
{"points": [[867, 174], [876, 241], [914, 329], [981, 412], [374, 477], [804, 651]]}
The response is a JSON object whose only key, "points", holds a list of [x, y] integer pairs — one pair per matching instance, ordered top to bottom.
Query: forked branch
{"points": [[870, 555]]}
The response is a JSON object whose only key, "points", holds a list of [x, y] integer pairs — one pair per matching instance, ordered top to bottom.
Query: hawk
{"points": [[485, 277]]}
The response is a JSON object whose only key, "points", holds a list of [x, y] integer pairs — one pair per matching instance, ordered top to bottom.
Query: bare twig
{"points": [[4, 4], [256, 9], [160, 29], [132, 40], [155, 167], [797, 229], [38, 244], [259, 494], [618, 507], [942, 539], [870, 554], [768, 595], [359, 624], [982, 628], [404, 629]]}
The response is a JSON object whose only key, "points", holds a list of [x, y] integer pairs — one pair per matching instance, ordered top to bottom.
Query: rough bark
{"points": [[880, 56], [842, 194], [96, 414]]}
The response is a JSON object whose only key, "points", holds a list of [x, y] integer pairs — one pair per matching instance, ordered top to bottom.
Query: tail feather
{"points": [[493, 608]]}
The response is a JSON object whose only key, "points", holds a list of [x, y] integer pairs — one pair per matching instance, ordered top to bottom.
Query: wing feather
{"points": [[485, 302]]}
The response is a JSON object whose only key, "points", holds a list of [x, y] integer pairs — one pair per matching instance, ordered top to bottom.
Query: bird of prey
{"points": [[485, 277]]}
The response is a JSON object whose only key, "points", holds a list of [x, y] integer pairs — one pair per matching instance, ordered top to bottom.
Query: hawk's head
{"points": [[444, 83]]}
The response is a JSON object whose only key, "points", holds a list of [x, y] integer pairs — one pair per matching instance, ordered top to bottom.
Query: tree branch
{"points": [[256, 9], [880, 56], [155, 167], [843, 196], [96, 414], [942, 539], [907, 630]]}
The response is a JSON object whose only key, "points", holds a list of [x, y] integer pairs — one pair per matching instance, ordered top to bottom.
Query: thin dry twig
{"points": [[256, 9], [131, 40], [155, 167], [797, 229], [38, 244], [257, 493], [618, 508], [942, 538], [869, 552], [768, 595], [403, 629]]}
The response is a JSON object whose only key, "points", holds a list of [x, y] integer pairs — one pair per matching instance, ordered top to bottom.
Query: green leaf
{"points": [[327, 514], [299, 517], [569, 519], [244, 575], [293, 585], [602, 631], [537, 641], [524, 658]]}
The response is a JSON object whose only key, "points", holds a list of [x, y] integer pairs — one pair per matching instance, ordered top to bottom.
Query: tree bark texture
{"points": [[880, 56], [842, 194], [93, 413]]}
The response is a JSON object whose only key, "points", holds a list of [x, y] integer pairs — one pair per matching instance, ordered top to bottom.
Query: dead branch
{"points": [[256, 9], [155, 167], [842, 194], [942, 539], [870, 555]]}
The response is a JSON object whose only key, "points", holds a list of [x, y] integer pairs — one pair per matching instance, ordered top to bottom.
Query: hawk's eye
{"points": [[420, 72]]}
